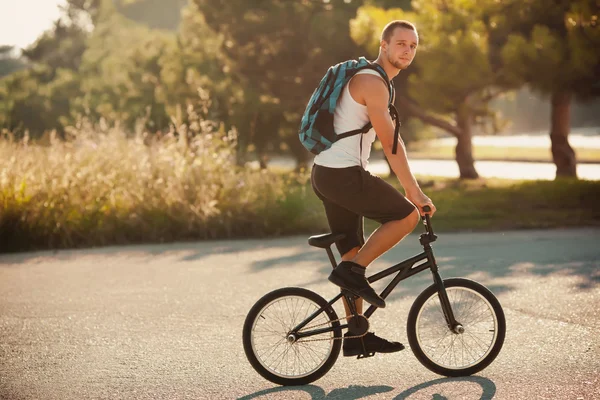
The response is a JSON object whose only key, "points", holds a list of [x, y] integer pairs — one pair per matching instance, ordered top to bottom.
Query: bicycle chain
{"points": [[333, 338]]}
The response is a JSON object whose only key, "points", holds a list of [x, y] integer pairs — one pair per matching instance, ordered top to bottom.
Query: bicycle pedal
{"points": [[365, 355]]}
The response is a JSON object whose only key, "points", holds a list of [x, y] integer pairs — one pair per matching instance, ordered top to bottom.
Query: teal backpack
{"points": [[316, 130]]}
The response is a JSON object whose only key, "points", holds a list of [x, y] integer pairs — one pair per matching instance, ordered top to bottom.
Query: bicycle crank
{"points": [[358, 326]]}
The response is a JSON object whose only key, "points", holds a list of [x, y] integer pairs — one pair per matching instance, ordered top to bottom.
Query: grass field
{"points": [[504, 204], [482, 205]]}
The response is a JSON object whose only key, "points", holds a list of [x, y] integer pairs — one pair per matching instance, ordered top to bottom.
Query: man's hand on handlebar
{"points": [[420, 200]]}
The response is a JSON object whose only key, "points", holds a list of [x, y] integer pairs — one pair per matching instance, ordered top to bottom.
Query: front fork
{"points": [[453, 324]]}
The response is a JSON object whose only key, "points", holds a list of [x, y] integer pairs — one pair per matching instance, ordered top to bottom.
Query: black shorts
{"points": [[349, 194]]}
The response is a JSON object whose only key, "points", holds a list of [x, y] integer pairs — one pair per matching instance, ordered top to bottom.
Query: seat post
{"points": [[331, 257]]}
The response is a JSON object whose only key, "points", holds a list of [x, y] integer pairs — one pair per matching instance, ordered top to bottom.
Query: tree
{"points": [[153, 13], [63, 45], [553, 47], [277, 51], [9, 63], [94, 63], [196, 70], [120, 72], [453, 81], [40, 98]]}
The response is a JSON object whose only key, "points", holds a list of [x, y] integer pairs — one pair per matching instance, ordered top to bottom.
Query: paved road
{"points": [[164, 322]]}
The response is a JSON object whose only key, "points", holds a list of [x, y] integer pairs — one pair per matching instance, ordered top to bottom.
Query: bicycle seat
{"points": [[326, 240]]}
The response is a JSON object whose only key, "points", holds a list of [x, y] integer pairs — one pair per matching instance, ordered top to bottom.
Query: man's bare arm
{"points": [[373, 91]]}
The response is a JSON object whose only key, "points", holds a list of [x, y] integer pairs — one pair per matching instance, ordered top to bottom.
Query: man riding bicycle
{"points": [[349, 192]]}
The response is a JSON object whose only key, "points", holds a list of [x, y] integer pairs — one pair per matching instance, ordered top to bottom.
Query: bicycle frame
{"points": [[403, 270]]}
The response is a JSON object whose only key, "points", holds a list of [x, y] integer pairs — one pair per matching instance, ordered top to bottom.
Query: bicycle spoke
{"points": [[272, 348], [447, 348], [275, 349]]}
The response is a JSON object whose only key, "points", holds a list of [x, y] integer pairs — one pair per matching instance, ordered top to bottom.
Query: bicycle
{"points": [[456, 326]]}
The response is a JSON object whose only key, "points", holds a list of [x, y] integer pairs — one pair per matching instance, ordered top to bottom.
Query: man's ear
{"points": [[383, 44]]}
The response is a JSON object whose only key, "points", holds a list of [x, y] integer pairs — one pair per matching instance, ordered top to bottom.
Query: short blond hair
{"points": [[388, 31]]}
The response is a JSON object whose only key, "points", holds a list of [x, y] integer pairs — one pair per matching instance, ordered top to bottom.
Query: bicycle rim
{"points": [[269, 338], [448, 349]]}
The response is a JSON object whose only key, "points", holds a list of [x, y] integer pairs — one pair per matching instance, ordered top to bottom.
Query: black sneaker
{"points": [[351, 276], [373, 344]]}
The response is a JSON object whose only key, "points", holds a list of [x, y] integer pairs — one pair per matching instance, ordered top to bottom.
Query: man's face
{"points": [[402, 47]]}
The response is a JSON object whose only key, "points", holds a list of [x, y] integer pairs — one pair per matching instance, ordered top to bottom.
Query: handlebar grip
{"points": [[426, 209]]}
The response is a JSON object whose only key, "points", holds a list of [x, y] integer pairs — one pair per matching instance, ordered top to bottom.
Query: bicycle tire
{"points": [[269, 301], [492, 328]]}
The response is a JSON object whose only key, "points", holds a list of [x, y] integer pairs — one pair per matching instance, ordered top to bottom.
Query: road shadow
{"points": [[191, 251], [489, 257], [318, 258], [488, 388], [352, 392], [355, 392]]}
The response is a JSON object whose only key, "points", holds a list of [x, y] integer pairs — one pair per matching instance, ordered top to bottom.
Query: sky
{"points": [[22, 21]]}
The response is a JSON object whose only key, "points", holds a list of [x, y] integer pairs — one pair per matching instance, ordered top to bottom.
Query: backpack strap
{"points": [[383, 74], [391, 107], [395, 117]]}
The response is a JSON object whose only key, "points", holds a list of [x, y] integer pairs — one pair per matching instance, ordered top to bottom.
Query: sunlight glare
{"points": [[23, 21]]}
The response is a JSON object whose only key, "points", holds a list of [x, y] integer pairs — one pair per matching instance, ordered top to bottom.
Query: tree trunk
{"points": [[462, 131], [243, 139], [464, 145], [562, 152]]}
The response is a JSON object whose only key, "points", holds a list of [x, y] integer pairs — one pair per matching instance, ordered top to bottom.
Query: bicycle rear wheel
{"points": [[266, 331], [442, 350]]}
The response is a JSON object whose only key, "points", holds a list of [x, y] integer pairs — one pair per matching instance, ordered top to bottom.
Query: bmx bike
{"points": [[455, 327]]}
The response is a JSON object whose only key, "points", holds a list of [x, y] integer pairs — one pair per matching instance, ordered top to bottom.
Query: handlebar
{"points": [[427, 222]]}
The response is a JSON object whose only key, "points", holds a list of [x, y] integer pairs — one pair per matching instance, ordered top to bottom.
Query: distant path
{"points": [[580, 137], [486, 169], [492, 169], [164, 322]]}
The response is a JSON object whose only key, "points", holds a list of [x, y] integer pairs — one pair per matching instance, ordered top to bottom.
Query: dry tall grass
{"points": [[101, 186]]}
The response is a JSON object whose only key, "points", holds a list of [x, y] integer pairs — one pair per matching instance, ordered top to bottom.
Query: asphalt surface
{"points": [[165, 321]]}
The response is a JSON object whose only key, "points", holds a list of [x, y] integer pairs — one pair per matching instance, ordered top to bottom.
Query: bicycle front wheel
{"points": [[266, 331], [444, 351]]}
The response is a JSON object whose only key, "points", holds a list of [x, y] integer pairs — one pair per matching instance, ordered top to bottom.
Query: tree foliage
{"points": [[153, 13], [553, 47], [277, 51], [453, 59], [9, 62], [254, 64], [120, 72], [42, 97]]}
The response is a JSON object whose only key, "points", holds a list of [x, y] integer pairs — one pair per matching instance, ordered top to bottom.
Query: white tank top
{"points": [[349, 115]]}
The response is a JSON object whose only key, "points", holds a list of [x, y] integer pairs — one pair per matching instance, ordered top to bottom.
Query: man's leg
{"points": [[349, 194], [379, 201], [342, 219], [384, 238], [381, 240], [358, 303], [370, 342]]}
